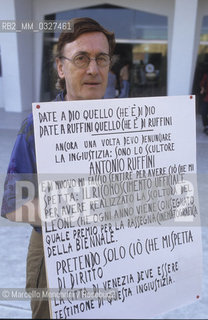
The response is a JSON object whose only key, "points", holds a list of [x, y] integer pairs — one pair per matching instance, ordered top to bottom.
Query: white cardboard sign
{"points": [[119, 205]]}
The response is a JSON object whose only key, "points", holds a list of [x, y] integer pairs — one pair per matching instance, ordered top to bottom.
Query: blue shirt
{"points": [[22, 167]]}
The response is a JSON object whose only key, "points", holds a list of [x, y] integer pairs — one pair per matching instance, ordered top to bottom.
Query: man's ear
{"points": [[59, 66]]}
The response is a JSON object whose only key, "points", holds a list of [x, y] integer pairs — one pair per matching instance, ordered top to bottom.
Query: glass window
{"points": [[126, 23]]}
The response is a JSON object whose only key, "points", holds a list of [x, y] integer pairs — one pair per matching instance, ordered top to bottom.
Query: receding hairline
{"points": [[87, 34]]}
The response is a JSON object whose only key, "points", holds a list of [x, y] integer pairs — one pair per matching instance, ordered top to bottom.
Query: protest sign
{"points": [[119, 205]]}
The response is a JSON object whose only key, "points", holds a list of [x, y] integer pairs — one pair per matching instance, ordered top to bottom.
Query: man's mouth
{"points": [[92, 83]]}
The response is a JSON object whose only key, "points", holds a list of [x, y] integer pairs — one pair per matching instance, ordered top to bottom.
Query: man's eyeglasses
{"points": [[83, 60]]}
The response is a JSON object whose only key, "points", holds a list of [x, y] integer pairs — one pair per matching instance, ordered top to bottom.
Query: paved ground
{"points": [[14, 238]]}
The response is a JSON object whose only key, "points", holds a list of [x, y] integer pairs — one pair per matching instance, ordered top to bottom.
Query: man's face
{"points": [[90, 82]]}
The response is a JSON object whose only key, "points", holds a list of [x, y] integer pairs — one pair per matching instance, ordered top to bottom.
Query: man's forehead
{"points": [[87, 42]]}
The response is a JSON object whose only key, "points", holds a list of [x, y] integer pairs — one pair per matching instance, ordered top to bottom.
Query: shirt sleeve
{"points": [[22, 167]]}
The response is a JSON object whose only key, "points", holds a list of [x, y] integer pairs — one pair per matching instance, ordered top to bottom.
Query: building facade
{"points": [[165, 42]]}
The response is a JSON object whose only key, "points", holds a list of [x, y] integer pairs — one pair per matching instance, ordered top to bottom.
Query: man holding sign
{"points": [[83, 60]]}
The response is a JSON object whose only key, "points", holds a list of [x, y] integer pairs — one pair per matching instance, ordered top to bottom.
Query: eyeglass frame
{"points": [[89, 59]]}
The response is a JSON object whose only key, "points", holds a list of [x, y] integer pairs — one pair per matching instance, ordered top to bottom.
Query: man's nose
{"points": [[92, 67]]}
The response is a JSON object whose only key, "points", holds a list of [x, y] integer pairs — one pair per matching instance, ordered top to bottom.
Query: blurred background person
{"points": [[124, 78], [111, 90], [204, 100]]}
